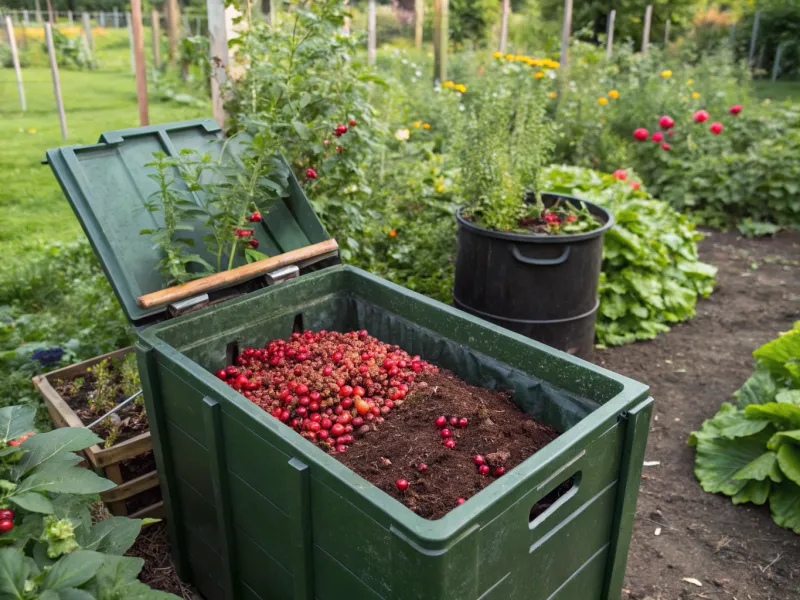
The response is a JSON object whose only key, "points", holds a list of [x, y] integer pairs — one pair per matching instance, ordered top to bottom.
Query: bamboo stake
{"points": [[648, 17], [173, 18], [419, 19], [504, 25], [156, 27], [566, 30], [372, 33], [610, 34], [440, 39], [51, 51], [15, 59], [141, 68]]}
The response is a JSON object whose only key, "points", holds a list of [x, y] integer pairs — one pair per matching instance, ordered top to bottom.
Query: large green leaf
{"points": [[782, 355], [760, 388], [788, 396], [782, 414], [16, 421], [729, 423], [783, 437], [44, 446], [718, 460], [789, 461], [764, 466], [63, 480], [754, 491], [33, 502], [784, 504], [114, 535], [14, 570], [73, 570], [117, 579], [72, 594]]}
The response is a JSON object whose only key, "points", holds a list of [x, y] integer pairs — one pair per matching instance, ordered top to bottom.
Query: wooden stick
{"points": [[38, 11], [50, 17], [648, 17], [69, 18], [101, 18], [116, 18], [26, 19], [419, 20], [173, 21], [504, 25], [87, 27], [156, 27], [566, 31], [666, 32], [610, 33], [372, 34], [753, 37], [440, 39], [12, 42], [130, 46], [218, 49], [51, 51], [141, 68], [305, 255]]}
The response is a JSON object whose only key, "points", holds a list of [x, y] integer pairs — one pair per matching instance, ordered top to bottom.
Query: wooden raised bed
{"points": [[105, 461]]}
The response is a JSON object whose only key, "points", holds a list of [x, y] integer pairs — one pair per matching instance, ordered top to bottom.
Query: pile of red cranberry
{"points": [[326, 385]]}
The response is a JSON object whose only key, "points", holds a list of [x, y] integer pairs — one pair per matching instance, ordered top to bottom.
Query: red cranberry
{"points": [[401, 484]]}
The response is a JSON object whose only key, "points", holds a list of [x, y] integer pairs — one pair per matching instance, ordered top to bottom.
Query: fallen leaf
{"points": [[651, 463], [657, 531], [693, 581]]}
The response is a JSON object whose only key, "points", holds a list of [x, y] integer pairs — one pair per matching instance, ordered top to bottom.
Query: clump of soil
{"points": [[100, 389], [497, 430]]}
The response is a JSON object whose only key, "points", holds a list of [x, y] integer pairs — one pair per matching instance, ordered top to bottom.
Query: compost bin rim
{"points": [[544, 238], [453, 523]]}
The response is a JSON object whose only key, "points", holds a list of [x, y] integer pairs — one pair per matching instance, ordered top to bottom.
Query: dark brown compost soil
{"points": [[497, 429]]}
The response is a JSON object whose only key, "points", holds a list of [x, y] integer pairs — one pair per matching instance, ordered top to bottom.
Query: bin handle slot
{"points": [[542, 262], [297, 327], [231, 352], [555, 497]]}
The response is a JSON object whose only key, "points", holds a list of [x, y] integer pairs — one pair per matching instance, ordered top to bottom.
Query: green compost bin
{"points": [[256, 511]]}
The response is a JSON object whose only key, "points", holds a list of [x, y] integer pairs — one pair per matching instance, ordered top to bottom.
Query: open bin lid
{"points": [[107, 185]]}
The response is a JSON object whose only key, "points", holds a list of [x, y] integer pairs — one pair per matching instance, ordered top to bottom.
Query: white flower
{"points": [[404, 61], [418, 73], [460, 107], [402, 134]]}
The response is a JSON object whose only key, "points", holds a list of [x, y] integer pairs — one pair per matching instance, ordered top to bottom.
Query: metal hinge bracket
{"points": [[282, 274], [182, 306]]}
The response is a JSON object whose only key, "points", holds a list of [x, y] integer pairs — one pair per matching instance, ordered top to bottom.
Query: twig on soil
{"points": [[763, 570]]}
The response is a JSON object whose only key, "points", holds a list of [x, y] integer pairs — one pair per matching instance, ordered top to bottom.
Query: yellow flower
{"points": [[497, 54], [509, 57], [520, 58], [536, 62], [554, 64], [539, 74], [666, 74], [690, 82], [448, 84], [461, 88], [552, 94], [613, 94], [695, 95], [685, 99], [602, 101], [417, 124], [426, 126], [32, 131], [402, 134], [440, 187], [393, 233]]}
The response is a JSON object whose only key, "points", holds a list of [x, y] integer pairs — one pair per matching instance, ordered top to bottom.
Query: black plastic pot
{"points": [[542, 286]]}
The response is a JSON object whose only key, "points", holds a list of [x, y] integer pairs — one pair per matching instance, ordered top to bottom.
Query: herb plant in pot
{"points": [[527, 260]]}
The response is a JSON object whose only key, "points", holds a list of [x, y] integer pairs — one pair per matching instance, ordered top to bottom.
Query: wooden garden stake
{"points": [[38, 11], [50, 17], [648, 17], [69, 18], [101, 18], [116, 18], [173, 18], [419, 19], [26, 20], [504, 25], [156, 26], [87, 27], [566, 30], [372, 33], [610, 33], [666, 33], [753, 38], [440, 39], [130, 46], [218, 46], [51, 51], [138, 53], [15, 59], [776, 66]]}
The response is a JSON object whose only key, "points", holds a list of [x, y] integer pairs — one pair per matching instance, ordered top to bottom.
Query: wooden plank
{"points": [[506, 12], [648, 18], [419, 20], [156, 27], [566, 31], [610, 33], [12, 42], [220, 57], [141, 68], [62, 118], [306, 255], [131, 448], [130, 488], [117, 508], [154, 511]]}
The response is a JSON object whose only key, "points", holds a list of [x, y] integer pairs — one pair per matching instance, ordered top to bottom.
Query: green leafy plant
{"points": [[72, 52], [129, 372], [105, 387], [751, 450], [50, 548]]}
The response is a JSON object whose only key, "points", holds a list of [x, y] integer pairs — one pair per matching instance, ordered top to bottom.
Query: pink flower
{"points": [[735, 109], [701, 116], [666, 122], [716, 128], [641, 134], [657, 136], [665, 146], [620, 174], [634, 184]]}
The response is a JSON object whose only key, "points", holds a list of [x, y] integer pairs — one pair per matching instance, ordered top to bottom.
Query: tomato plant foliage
{"points": [[751, 450]]}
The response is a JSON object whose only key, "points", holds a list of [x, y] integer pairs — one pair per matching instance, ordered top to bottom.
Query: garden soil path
{"points": [[736, 552]]}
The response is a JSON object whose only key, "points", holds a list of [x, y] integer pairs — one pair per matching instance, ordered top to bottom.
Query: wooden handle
{"points": [[304, 256]]}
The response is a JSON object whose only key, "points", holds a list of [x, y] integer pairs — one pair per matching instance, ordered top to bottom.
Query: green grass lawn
{"points": [[778, 91], [96, 101]]}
